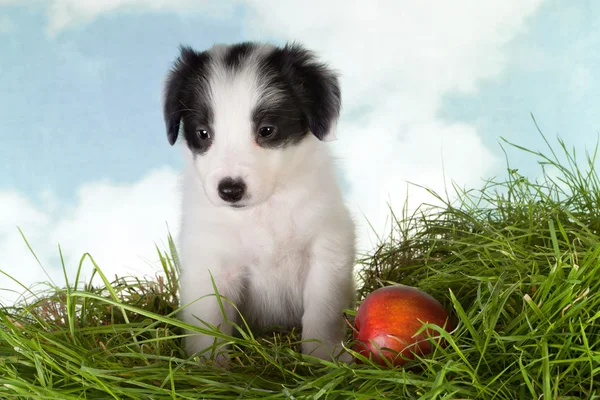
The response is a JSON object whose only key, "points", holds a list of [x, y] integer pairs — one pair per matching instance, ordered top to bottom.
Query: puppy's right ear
{"points": [[177, 88]]}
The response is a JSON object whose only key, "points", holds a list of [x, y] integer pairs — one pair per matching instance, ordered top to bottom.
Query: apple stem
{"points": [[349, 323]]}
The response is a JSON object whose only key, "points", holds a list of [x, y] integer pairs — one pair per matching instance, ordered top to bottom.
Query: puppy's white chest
{"points": [[272, 238], [276, 261]]}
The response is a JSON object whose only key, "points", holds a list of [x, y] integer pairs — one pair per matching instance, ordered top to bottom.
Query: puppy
{"points": [[262, 213]]}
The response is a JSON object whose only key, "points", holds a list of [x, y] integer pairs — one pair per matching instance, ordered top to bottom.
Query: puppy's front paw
{"points": [[196, 344], [203, 346], [315, 349], [326, 352], [346, 358]]}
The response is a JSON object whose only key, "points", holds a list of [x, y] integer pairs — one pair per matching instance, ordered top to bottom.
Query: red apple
{"points": [[390, 317]]}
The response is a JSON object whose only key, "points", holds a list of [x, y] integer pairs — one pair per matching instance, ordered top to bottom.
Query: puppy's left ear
{"points": [[316, 87]]}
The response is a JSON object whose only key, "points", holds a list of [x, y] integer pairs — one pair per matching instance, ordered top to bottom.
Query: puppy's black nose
{"points": [[231, 190]]}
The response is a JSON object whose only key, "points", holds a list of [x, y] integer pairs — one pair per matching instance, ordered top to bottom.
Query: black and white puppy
{"points": [[262, 210]]}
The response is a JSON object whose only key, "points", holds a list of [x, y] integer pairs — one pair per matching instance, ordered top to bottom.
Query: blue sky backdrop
{"points": [[429, 88]]}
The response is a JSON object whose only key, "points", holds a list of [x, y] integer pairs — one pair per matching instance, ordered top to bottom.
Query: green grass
{"points": [[516, 262]]}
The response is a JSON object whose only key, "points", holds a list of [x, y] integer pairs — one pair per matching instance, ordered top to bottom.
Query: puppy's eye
{"points": [[266, 131], [203, 134]]}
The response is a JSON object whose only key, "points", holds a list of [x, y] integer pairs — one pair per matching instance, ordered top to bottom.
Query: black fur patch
{"points": [[236, 54], [312, 86], [184, 99], [284, 115]]}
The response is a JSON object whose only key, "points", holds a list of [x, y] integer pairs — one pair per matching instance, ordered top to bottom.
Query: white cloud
{"points": [[63, 14], [6, 24], [117, 224]]}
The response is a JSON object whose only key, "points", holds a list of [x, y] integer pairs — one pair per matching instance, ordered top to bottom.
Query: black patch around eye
{"points": [[236, 54], [185, 80], [310, 84], [186, 99], [289, 123], [192, 124]]}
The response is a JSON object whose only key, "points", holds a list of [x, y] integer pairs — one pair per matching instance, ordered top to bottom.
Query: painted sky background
{"points": [[428, 87]]}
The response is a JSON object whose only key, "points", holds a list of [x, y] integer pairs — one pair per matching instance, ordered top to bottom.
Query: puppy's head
{"points": [[244, 112]]}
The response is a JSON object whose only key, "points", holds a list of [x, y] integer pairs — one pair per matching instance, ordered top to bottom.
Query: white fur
{"points": [[286, 257]]}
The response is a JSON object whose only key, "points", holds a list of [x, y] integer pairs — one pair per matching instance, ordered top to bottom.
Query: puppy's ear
{"points": [[316, 87], [177, 90]]}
